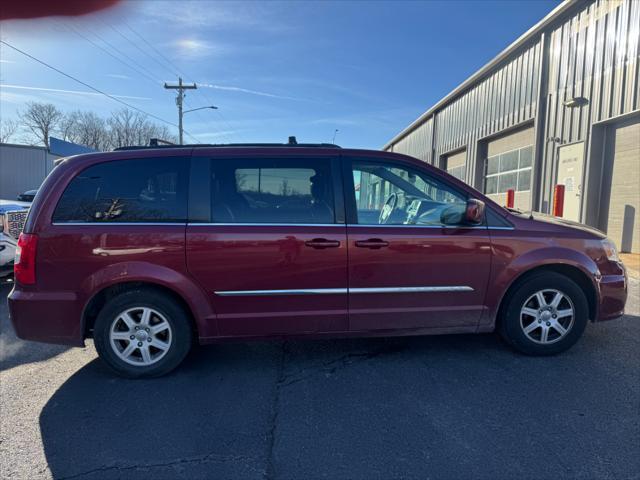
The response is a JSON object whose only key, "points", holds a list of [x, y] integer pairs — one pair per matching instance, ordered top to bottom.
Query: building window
{"points": [[455, 164], [509, 170], [457, 172]]}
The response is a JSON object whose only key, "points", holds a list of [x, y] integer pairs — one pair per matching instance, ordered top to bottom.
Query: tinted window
{"points": [[136, 190], [271, 191], [394, 195]]}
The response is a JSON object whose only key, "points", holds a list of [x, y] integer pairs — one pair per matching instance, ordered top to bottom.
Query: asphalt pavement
{"points": [[441, 407]]}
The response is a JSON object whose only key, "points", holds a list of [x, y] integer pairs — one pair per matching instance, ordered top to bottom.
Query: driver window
{"points": [[387, 194]]}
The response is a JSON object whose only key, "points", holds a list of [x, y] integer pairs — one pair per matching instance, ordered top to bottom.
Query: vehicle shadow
{"points": [[14, 351], [357, 408]]}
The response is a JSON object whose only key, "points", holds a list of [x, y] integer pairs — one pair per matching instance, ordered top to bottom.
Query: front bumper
{"points": [[613, 291]]}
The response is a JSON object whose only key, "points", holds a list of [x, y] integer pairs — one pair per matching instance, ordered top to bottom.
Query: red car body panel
{"points": [[418, 257], [252, 258], [202, 263]]}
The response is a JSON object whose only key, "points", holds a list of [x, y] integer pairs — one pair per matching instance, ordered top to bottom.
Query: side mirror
{"points": [[474, 213]]}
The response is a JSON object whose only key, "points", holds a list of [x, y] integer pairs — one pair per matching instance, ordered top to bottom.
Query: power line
{"points": [[135, 45], [158, 52], [125, 63], [149, 73], [180, 73], [155, 81], [86, 84], [181, 87], [200, 115], [224, 122]]}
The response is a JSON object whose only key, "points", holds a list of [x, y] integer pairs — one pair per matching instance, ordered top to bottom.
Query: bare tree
{"points": [[42, 119], [85, 128], [128, 128], [7, 129]]}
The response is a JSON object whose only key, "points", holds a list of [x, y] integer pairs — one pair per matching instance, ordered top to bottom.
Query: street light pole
{"points": [[179, 99], [213, 107]]}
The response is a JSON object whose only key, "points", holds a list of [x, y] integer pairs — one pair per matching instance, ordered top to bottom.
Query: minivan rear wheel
{"points": [[546, 314], [142, 333]]}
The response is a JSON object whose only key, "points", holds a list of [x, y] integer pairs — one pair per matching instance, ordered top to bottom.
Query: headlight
{"points": [[610, 250]]}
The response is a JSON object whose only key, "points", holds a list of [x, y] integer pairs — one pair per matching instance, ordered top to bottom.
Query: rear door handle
{"points": [[322, 243], [374, 243]]}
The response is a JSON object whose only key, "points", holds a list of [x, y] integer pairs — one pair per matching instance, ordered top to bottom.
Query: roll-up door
{"points": [[508, 166], [623, 220]]}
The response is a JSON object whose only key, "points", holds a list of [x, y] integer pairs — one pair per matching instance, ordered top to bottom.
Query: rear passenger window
{"points": [[132, 191], [269, 191]]}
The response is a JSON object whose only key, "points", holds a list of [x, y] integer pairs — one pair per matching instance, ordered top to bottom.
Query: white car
{"points": [[13, 215]]}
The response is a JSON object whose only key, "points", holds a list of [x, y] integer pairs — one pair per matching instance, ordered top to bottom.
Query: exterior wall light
{"points": [[576, 102]]}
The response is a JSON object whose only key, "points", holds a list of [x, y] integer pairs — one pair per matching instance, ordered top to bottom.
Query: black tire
{"points": [[172, 311], [512, 331]]}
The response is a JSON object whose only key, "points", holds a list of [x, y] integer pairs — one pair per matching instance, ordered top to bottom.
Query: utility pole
{"points": [[179, 99]]}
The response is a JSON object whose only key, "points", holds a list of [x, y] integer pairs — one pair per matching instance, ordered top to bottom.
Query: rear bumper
{"points": [[613, 297], [50, 317]]}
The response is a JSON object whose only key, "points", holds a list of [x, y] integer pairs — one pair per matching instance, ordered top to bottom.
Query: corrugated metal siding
{"points": [[592, 52], [503, 100], [418, 144], [22, 169]]}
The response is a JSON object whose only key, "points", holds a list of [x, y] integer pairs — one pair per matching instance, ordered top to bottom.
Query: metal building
{"points": [[561, 105], [24, 167]]}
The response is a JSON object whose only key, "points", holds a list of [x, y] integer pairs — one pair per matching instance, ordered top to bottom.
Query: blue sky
{"points": [[274, 69]]}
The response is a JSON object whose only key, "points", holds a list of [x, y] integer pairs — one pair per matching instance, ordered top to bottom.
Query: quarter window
{"points": [[509, 170], [127, 191], [269, 191], [393, 195]]}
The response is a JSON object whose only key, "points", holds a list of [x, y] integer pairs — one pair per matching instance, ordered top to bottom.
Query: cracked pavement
{"points": [[422, 407]]}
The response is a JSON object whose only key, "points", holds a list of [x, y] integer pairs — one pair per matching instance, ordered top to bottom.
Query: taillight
{"points": [[24, 266]]}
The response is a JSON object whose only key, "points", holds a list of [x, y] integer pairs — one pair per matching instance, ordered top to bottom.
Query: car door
{"points": [[267, 240], [411, 264]]}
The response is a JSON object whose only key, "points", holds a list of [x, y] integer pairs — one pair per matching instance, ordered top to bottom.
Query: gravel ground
{"points": [[429, 407]]}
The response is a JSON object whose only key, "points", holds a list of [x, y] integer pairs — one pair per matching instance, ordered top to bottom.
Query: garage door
{"points": [[508, 166], [623, 225]]}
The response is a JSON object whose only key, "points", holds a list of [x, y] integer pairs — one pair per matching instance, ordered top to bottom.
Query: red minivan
{"points": [[149, 250]]}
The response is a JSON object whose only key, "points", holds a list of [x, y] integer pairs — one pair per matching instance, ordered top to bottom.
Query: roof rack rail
{"points": [[291, 143], [225, 145]]}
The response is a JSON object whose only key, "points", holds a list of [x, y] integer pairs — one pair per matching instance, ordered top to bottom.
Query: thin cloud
{"points": [[208, 15], [196, 48], [7, 61], [119, 76], [249, 91], [70, 92]]}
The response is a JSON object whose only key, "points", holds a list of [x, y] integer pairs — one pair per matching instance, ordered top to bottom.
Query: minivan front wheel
{"points": [[546, 314], [142, 333]]}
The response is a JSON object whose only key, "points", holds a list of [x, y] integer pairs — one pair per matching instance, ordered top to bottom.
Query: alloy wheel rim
{"points": [[547, 316], [140, 336]]}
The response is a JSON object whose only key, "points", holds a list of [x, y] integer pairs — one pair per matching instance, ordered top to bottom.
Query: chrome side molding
{"points": [[461, 288], [303, 291], [338, 291]]}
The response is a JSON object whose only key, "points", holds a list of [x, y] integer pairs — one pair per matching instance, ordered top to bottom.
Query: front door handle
{"points": [[320, 243], [373, 243]]}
